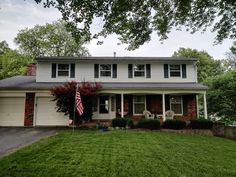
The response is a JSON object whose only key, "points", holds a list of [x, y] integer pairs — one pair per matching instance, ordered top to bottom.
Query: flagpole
{"points": [[75, 107]]}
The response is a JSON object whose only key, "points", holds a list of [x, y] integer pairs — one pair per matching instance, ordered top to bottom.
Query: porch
{"points": [[132, 105]]}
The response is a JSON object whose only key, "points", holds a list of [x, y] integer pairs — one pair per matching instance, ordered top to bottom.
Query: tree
{"points": [[134, 21], [49, 40], [3, 47], [230, 62], [12, 63], [207, 66], [64, 95], [222, 96]]}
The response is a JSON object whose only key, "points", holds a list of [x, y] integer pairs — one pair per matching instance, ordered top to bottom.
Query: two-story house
{"points": [[130, 85]]}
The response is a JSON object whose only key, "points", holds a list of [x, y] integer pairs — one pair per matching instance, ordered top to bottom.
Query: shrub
{"points": [[122, 122], [149, 124], [174, 124], [201, 124]]}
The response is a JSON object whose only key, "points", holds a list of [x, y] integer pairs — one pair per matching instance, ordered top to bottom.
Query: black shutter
{"points": [[54, 70], [72, 70], [96, 70], [114, 70], [148, 70], [130, 71], [166, 71], [184, 73], [185, 105]]}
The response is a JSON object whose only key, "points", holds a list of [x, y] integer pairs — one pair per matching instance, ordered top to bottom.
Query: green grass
{"points": [[123, 153]]}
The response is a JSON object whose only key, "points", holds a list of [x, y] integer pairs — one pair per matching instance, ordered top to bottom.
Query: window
{"points": [[63, 69], [105, 70], [139, 70], [175, 70], [104, 104], [139, 104], [176, 104]]}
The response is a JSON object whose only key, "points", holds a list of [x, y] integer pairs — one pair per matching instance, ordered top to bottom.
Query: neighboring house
{"points": [[130, 85]]}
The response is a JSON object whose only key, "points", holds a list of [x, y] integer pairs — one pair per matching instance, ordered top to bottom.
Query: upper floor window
{"points": [[63, 70], [105, 70], [139, 70], [175, 70], [176, 104]]}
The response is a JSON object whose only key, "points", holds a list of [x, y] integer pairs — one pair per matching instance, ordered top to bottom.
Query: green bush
{"points": [[122, 122], [149, 124], [174, 124], [201, 124]]}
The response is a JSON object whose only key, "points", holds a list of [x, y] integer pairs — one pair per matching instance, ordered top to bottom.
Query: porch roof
{"points": [[29, 83]]}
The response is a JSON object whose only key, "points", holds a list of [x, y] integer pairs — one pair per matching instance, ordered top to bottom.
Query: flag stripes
{"points": [[79, 105]]}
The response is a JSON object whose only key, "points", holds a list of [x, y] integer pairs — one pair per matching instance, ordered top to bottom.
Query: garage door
{"points": [[12, 111], [46, 114]]}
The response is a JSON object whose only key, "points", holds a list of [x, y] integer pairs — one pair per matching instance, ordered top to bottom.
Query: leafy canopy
{"points": [[135, 20], [49, 40], [12, 63], [207, 66], [222, 95]]}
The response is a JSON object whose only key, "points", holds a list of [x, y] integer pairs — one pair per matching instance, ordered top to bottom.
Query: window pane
{"points": [[63, 67], [105, 67], [139, 67], [174, 67], [63, 73], [105, 73], [139, 73], [175, 73], [138, 99], [175, 99], [104, 104], [139, 108], [177, 108]]}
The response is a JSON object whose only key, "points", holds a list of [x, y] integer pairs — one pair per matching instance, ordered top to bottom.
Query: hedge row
{"points": [[168, 124]]}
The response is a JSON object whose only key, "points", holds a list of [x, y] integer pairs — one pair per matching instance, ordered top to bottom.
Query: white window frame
{"points": [[63, 70], [105, 70], [139, 70], [176, 70], [181, 102], [145, 104]]}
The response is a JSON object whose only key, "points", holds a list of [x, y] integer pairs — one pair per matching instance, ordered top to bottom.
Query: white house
{"points": [[130, 85]]}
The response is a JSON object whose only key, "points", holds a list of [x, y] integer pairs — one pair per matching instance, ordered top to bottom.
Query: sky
{"points": [[20, 14]]}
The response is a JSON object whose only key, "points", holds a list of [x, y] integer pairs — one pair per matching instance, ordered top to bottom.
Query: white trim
{"points": [[65, 70], [176, 70], [99, 71], [145, 71], [178, 103], [122, 105], [145, 105], [205, 105], [163, 106]]}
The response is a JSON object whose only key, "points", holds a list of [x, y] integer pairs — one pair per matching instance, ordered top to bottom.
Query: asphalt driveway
{"points": [[15, 138]]}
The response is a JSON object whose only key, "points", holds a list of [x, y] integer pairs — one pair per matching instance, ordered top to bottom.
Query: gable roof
{"points": [[90, 58], [29, 83]]}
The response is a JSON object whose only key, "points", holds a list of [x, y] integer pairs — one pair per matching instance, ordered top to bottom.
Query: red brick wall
{"points": [[31, 70], [29, 109]]}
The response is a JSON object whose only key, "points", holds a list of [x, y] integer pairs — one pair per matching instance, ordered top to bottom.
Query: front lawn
{"points": [[123, 153]]}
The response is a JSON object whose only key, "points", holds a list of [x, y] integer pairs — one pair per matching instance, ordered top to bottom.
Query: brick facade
{"points": [[31, 69], [154, 105], [29, 109]]}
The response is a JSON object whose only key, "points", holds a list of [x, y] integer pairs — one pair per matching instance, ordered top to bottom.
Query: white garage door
{"points": [[12, 111], [47, 115]]}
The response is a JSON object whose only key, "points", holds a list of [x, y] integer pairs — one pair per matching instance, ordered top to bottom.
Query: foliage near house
{"points": [[49, 40], [65, 98], [151, 124], [174, 124], [123, 154]]}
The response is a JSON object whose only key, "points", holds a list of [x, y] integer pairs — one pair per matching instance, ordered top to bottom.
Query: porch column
{"points": [[122, 105], [205, 106], [163, 107], [197, 107]]}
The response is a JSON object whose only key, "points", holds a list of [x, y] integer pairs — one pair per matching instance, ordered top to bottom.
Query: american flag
{"points": [[78, 102]]}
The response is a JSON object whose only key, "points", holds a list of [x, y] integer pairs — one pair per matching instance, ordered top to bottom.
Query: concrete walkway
{"points": [[15, 138]]}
